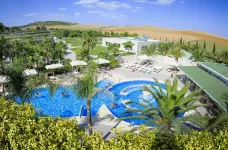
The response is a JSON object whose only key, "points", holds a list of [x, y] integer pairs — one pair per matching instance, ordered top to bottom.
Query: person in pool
{"points": [[110, 85], [37, 94], [63, 94], [113, 104]]}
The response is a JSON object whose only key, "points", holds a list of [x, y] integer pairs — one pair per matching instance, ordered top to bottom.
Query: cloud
{"points": [[141, 1], [86, 2], [163, 2], [113, 5], [138, 7], [62, 9], [30, 14], [77, 14], [107, 15]]}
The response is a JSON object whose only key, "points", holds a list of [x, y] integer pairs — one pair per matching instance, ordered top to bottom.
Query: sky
{"points": [[202, 15]]}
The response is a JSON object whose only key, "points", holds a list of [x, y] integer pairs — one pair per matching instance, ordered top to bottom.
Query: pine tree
{"points": [[160, 38], [166, 39], [173, 40], [181, 41], [197, 43], [189, 44], [204, 45], [214, 48]]}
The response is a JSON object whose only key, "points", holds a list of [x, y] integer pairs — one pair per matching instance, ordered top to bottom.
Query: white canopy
{"points": [[144, 57], [101, 61], [78, 63], [54, 66], [29, 72], [3, 79]]}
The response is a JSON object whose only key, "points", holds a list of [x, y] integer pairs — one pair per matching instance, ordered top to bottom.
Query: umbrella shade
{"points": [[143, 57], [101, 61], [78, 63], [54, 66], [29, 72], [3, 79]]}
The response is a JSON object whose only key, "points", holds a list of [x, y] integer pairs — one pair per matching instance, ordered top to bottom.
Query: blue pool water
{"points": [[69, 105]]}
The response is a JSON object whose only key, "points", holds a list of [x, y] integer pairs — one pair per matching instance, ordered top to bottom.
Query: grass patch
{"points": [[74, 41], [127, 54]]}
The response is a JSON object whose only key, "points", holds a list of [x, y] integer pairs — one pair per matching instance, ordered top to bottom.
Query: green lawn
{"points": [[74, 42], [210, 45], [96, 51]]}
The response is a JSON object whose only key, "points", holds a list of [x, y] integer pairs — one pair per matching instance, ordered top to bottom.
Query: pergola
{"points": [[101, 61], [78, 63], [54, 66], [29, 72], [208, 83]]}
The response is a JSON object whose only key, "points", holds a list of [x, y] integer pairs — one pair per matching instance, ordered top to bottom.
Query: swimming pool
{"points": [[69, 105]]}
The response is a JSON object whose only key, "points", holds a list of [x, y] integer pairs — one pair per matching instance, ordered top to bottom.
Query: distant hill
{"points": [[49, 23], [153, 32]]}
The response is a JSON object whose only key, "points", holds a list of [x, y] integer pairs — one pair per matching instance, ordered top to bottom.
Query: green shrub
{"points": [[21, 128]]}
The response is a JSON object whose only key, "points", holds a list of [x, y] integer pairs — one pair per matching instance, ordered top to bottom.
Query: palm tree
{"points": [[89, 43], [128, 45], [4, 47], [48, 47], [164, 47], [114, 48], [61, 50], [150, 50], [177, 52], [198, 54], [20, 85], [85, 88], [171, 104], [217, 122]]}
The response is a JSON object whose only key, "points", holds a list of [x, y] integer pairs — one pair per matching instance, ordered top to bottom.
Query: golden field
{"points": [[157, 33]]}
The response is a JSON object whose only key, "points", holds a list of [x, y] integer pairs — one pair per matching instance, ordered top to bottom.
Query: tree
{"points": [[2, 27], [66, 33], [166, 39], [173, 41], [181, 41], [89, 43], [197, 43], [128, 45], [204, 45], [4, 46], [164, 47], [114, 48], [214, 49], [61, 50], [149, 50], [177, 52], [198, 54], [20, 85], [85, 88], [171, 105], [217, 122]]}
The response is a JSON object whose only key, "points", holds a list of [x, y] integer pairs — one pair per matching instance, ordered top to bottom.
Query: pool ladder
{"points": [[80, 113]]}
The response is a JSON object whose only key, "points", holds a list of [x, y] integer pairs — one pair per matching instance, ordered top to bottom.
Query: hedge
{"points": [[21, 128]]}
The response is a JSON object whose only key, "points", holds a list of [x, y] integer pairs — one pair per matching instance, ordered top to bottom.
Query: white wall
{"points": [[137, 44]]}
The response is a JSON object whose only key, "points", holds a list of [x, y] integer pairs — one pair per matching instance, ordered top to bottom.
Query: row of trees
{"points": [[81, 33], [35, 55]]}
